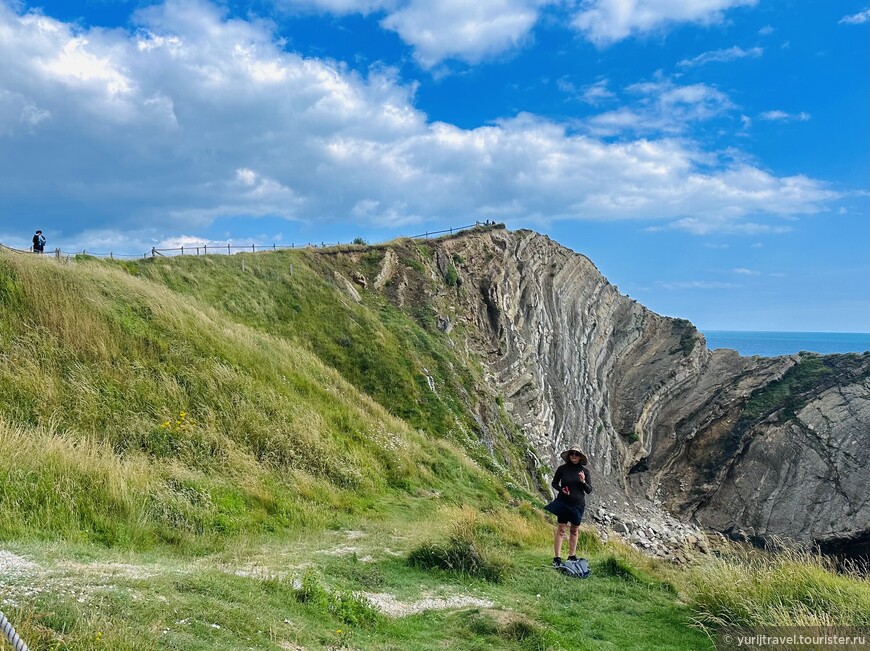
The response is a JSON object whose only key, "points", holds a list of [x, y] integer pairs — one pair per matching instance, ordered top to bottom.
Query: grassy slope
{"points": [[383, 351], [133, 416], [160, 440]]}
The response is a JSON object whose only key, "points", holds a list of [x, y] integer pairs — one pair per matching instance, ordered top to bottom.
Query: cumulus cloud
{"points": [[856, 19], [606, 21], [447, 29], [470, 31], [722, 56], [195, 116]]}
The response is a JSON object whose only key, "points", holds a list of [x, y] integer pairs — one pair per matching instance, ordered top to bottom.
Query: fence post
{"points": [[273, 246], [182, 249], [205, 249], [228, 249], [197, 250], [253, 250], [57, 253], [110, 256]]}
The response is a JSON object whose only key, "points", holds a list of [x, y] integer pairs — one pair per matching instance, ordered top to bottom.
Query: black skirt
{"points": [[565, 512]]}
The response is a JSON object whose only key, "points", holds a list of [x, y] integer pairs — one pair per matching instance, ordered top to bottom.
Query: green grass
{"points": [[390, 354], [786, 394], [132, 416], [185, 449], [783, 589], [308, 591]]}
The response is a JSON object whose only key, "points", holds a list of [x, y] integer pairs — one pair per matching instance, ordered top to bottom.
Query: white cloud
{"points": [[339, 7], [856, 19], [606, 21], [447, 29], [767, 30], [470, 31], [722, 56], [597, 93], [662, 106], [783, 116], [214, 119], [743, 271]]}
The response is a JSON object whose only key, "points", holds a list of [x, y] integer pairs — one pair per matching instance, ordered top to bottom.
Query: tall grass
{"points": [[395, 355], [163, 420], [786, 588]]}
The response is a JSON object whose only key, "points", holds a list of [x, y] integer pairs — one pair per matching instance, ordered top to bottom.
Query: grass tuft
{"points": [[471, 549]]}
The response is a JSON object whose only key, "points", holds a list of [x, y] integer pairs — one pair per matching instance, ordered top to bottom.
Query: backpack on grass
{"points": [[578, 569]]}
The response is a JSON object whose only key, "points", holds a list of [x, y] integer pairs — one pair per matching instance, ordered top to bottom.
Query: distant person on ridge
{"points": [[38, 242], [571, 482]]}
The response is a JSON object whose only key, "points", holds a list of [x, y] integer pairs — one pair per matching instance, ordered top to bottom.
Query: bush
{"points": [[451, 278], [345, 606]]}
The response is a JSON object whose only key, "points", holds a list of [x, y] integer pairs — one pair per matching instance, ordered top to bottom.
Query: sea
{"points": [[771, 344]]}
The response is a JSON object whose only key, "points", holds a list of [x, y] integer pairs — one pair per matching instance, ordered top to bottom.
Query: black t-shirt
{"points": [[568, 474]]}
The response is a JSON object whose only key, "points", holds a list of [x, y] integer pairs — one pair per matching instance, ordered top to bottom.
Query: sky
{"points": [[709, 156]]}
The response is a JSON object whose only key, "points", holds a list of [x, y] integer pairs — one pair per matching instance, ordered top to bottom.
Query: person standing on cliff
{"points": [[38, 242], [572, 482]]}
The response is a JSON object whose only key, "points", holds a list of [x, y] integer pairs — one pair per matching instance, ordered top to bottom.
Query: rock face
{"points": [[750, 446]]}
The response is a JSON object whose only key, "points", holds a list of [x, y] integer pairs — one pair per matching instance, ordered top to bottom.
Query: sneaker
{"points": [[572, 558], [557, 561]]}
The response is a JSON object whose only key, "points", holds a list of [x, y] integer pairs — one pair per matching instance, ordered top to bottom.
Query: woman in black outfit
{"points": [[572, 482]]}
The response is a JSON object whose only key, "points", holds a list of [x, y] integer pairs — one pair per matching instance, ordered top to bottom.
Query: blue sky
{"points": [[709, 156]]}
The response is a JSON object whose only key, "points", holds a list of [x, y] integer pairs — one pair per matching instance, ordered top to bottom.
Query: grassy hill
{"points": [[193, 456]]}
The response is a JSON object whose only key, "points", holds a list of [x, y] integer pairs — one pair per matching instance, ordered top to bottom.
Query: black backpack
{"points": [[578, 569]]}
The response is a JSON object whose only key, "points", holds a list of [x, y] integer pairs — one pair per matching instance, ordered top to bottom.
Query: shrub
{"points": [[451, 278], [345, 606]]}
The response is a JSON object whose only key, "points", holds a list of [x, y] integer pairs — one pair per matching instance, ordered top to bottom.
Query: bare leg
{"points": [[558, 536], [572, 539]]}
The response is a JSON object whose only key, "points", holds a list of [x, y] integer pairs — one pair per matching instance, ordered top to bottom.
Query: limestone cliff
{"points": [[750, 446]]}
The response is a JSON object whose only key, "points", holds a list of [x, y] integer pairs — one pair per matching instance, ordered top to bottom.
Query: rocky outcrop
{"points": [[750, 446]]}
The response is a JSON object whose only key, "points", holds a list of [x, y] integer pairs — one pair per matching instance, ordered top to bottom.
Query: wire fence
{"points": [[229, 248]]}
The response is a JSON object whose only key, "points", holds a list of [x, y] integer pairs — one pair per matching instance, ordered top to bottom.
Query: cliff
{"points": [[749, 446]]}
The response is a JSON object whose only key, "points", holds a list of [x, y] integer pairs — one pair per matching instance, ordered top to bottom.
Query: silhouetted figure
{"points": [[38, 242]]}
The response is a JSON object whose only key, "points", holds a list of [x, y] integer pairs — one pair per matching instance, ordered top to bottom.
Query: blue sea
{"points": [[771, 344]]}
